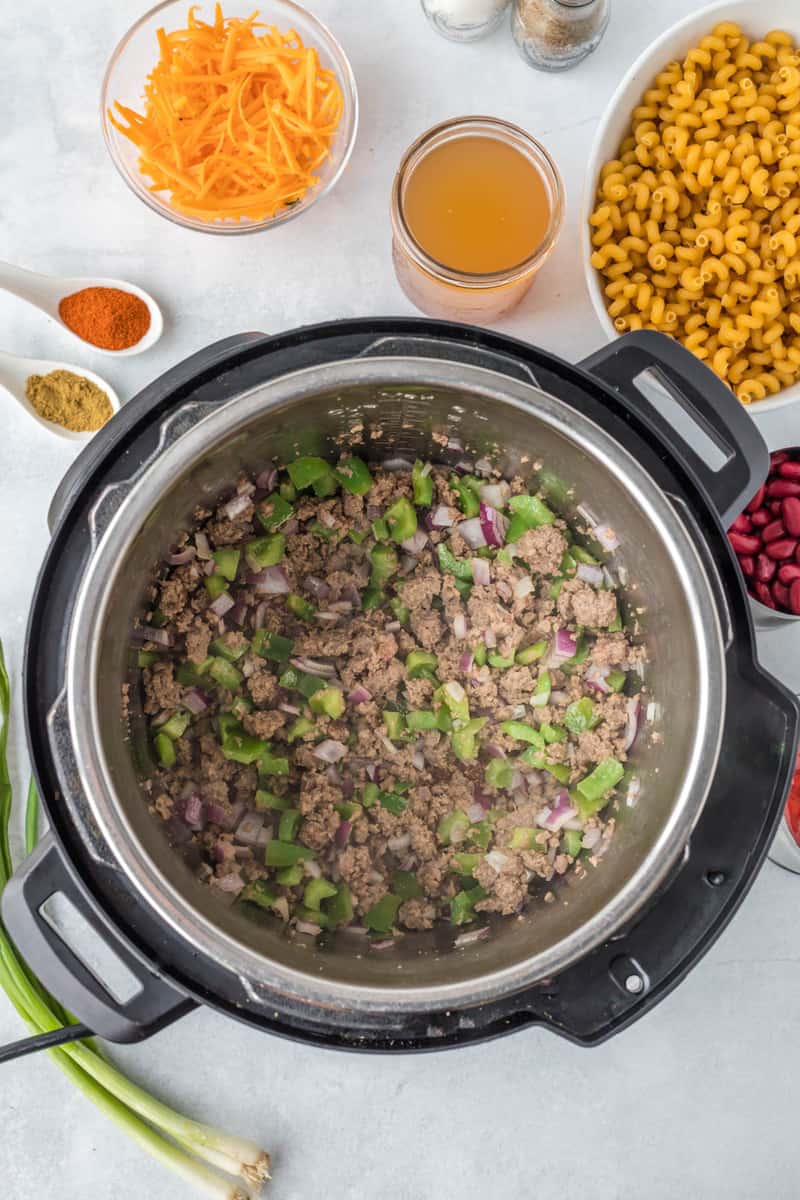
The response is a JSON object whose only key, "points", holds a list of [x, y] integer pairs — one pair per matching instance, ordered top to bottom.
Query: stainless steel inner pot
{"points": [[412, 408]]}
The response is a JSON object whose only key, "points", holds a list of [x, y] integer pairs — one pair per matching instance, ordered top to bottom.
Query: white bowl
{"points": [[756, 17]]}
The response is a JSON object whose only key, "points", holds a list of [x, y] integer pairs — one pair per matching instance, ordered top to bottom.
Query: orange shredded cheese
{"points": [[237, 118]]}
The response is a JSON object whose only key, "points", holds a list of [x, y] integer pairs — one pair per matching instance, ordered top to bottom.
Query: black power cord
{"points": [[44, 1041]]}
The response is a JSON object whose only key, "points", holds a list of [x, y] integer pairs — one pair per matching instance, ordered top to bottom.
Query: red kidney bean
{"points": [[777, 457], [789, 470], [778, 488], [758, 499], [774, 506], [790, 511], [761, 516], [743, 524], [772, 531], [745, 543], [781, 547], [797, 552], [748, 564], [765, 568], [789, 572], [763, 594], [780, 594], [794, 597]]}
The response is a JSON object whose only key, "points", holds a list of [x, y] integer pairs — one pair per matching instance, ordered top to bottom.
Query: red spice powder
{"points": [[106, 317]]}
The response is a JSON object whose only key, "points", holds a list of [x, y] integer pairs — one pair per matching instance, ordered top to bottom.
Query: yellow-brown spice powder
{"points": [[69, 400]]}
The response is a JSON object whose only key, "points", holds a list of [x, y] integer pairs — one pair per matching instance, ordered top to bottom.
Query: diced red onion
{"points": [[397, 464], [463, 467], [483, 467], [267, 479], [246, 487], [494, 494], [236, 506], [442, 517], [326, 518], [493, 524], [291, 526], [472, 533], [606, 537], [416, 543], [202, 545], [179, 558], [408, 564], [209, 567], [481, 573], [590, 574], [271, 581], [316, 587], [522, 587], [504, 590], [351, 593], [223, 604], [341, 606], [239, 613], [260, 614], [328, 617], [392, 626], [460, 626], [150, 633], [489, 639], [564, 646], [466, 662], [312, 666], [596, 677], [455, 691], [359, 695], [557, 696], [195, 700], [291, 709], [632, 722], [388, 745], [330, 751], [494, 751], [418, 760], [372, 771], [333, 776], [517, 780], [348, 787], [481, 798], [194, 812], [561, 812], [475, 813], [542, 817], [226, 818], [573, 823], [248, 829], [342, 835], [591, 837], [400, 843], [497, 860], [312, 869], [232, 882], [281, 907], [307, 927], [471, 936], [383, 944]]}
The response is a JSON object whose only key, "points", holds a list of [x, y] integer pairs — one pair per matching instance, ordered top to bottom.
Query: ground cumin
{"points": [[106, 317], [69, 400]]}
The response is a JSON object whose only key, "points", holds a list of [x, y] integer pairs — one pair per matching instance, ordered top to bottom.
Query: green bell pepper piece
{"points": [[304, 472], [354, 476], [422, 484], [288, 491], [467, 496], [532, 510], [273, 511], [401, 520], [380, 530], [357, 536], [265, 551], [583, 556], [227, 560], [384, 561], [567, 566], [460, 567], [215, 585], [463, 587], [554, 591], [300, 607], [399, 609], [272, 645], [220, 648], [530, 654], [479, 655], [580, 655], [146, 658], [497, 660], [420, 664], [225, 674], [616, 680], [541, 693], [452, 696], [328, 702], [241, 706], [580, 715], [420, 718], [395, 724], [177, 725], [298, 728], [523, 733], [553, 733], [464, 741], [238, 746], [165, 749], [273, 764], [499, 773], [592, 792], [370, 794], [269, 801], [393, 802], [349, 810], [455, 823], [289, 825], [479, 835], [524, 837], [572, 842], [285, 854], [465, 864], [291, 876], [405, 885], [316, 891], [259, 893], [462, 906], [339, 909], [381, 916]]}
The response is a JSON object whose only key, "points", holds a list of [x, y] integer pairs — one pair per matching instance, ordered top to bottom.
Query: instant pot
{"points": [[640, 437]]}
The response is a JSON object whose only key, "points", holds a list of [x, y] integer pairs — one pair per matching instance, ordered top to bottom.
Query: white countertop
{"points": [[701, 1098]]}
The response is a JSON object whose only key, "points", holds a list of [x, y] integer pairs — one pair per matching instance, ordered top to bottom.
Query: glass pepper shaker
{"points": [[464, 20], [554, 35]]}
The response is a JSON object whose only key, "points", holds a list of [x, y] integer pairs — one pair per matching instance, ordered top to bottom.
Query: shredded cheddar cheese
{"points": [[237, 118]]}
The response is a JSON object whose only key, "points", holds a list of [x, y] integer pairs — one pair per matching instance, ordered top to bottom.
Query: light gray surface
{"points": [[700, 1099]]}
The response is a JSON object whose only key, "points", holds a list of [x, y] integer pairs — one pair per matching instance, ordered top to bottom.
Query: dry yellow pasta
{"points": [[696, 231]]}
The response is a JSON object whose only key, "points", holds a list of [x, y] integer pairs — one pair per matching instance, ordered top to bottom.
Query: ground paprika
{"points": [[106, 317]]}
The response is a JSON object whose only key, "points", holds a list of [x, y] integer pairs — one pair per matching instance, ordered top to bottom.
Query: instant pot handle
{"points": [[688, 408], [148, 1003]]}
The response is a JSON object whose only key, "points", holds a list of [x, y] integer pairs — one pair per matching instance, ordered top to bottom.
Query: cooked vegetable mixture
{"points": [[381, 698]]}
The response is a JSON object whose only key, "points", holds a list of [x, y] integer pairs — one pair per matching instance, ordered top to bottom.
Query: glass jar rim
{"points": [[513, 135]]}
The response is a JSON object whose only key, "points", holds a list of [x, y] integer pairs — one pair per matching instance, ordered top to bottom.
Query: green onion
{"points": [[583, 556], [145, 1119]]}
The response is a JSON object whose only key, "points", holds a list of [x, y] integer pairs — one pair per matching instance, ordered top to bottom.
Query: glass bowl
{"points": [[136, 55]]}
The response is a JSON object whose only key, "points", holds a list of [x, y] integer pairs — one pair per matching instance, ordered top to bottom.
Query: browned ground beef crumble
{"points": [[388, 826]]}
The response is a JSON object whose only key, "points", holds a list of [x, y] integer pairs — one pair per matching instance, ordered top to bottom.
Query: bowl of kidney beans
{"points": [[766, 539]]}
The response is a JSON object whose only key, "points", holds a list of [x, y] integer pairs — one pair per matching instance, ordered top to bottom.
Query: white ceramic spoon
{"points": [[45, 292], [14, 374]]}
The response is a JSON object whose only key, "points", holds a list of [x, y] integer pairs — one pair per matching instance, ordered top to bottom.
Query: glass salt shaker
{"points": [[464, 20], [554, 35]]}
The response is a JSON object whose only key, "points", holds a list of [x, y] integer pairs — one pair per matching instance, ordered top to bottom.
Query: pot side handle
{"points": [[687, 407], [146, 1003]]}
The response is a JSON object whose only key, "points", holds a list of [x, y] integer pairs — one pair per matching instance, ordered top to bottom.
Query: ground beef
{"points": [[364, 805]]}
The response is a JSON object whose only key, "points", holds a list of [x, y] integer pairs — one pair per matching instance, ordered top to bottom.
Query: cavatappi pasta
{"points": [[696, 229]]}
